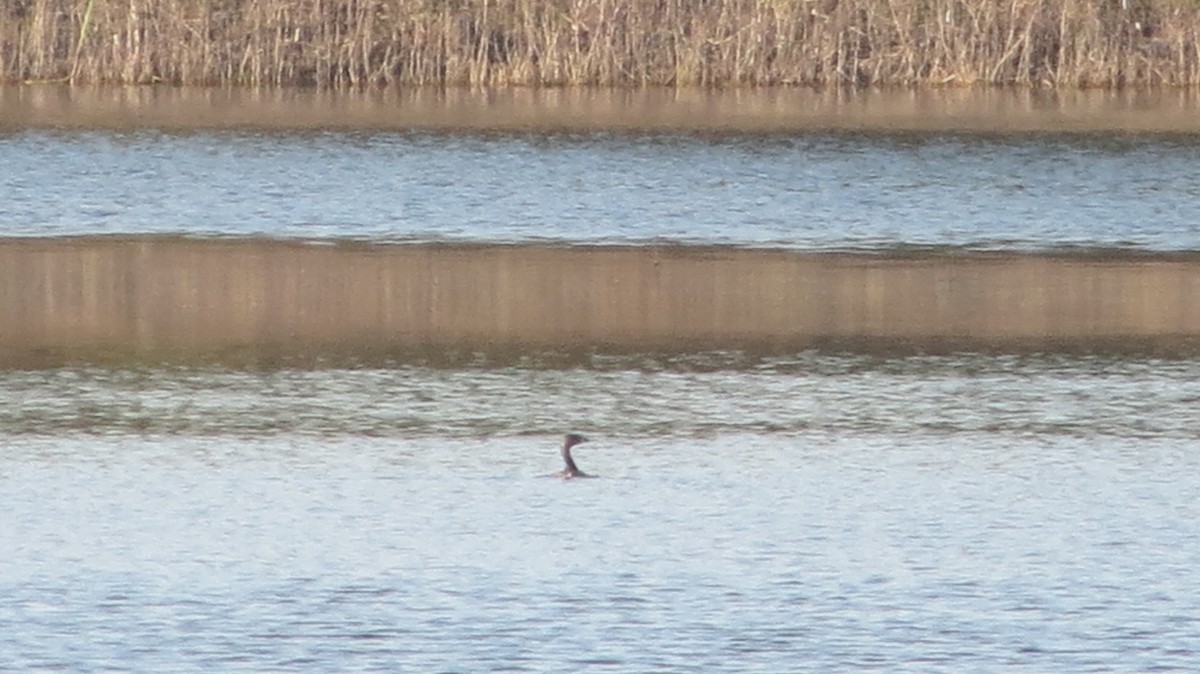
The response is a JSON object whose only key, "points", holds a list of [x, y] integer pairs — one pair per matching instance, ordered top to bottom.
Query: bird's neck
{"points": [[566, 454]]}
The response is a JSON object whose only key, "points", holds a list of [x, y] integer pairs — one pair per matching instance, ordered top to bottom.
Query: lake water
{"points": [[825, 175], [826, 191], [807, 513], [816, 513]]}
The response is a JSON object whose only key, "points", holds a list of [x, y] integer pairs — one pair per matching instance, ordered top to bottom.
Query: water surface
{"points": [[775, 168], [811, 192], [809, 513], [812, 514]]}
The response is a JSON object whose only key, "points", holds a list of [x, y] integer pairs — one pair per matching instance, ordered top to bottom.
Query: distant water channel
{"points": [[1005, 172], [795, 513], [807, 514]]}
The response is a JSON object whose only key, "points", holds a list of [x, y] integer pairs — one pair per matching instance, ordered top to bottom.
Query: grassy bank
{"points": [[344, 43], [71, 299]]}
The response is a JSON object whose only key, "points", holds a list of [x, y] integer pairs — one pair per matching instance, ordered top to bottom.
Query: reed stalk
{"points": [[83, 29], [365, 43]]}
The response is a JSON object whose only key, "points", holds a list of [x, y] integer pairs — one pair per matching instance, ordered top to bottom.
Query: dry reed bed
{"points": [[344, 43]]}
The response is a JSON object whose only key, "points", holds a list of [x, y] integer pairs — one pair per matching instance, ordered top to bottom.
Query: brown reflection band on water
{"points": [[760, 110], [76, 299]]}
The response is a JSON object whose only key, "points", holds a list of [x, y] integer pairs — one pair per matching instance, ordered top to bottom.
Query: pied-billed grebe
{"points": [[570, 470]]}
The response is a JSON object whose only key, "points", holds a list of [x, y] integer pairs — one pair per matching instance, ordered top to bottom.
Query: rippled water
{"points": [[812, 191], [705, 395], [811, 513], [816, 513]]}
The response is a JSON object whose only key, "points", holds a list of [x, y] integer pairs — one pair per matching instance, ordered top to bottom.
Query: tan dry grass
{"points": [[348, 43]]}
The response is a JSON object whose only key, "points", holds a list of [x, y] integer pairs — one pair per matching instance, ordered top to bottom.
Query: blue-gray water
{"points": [[811, 191], [809, 514]]}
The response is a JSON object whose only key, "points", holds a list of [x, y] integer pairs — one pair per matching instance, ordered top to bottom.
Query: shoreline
{"points": [[598, 109], [777, 110]]}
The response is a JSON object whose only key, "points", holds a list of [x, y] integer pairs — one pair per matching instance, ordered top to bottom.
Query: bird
{"points": [[570, 470]]}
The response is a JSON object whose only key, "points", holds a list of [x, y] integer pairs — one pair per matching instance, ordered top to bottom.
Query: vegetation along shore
{"points": [[368, 43]]}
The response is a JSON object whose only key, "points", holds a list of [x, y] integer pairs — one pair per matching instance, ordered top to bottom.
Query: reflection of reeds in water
{"points": [[339, 43], [164, 298]]}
